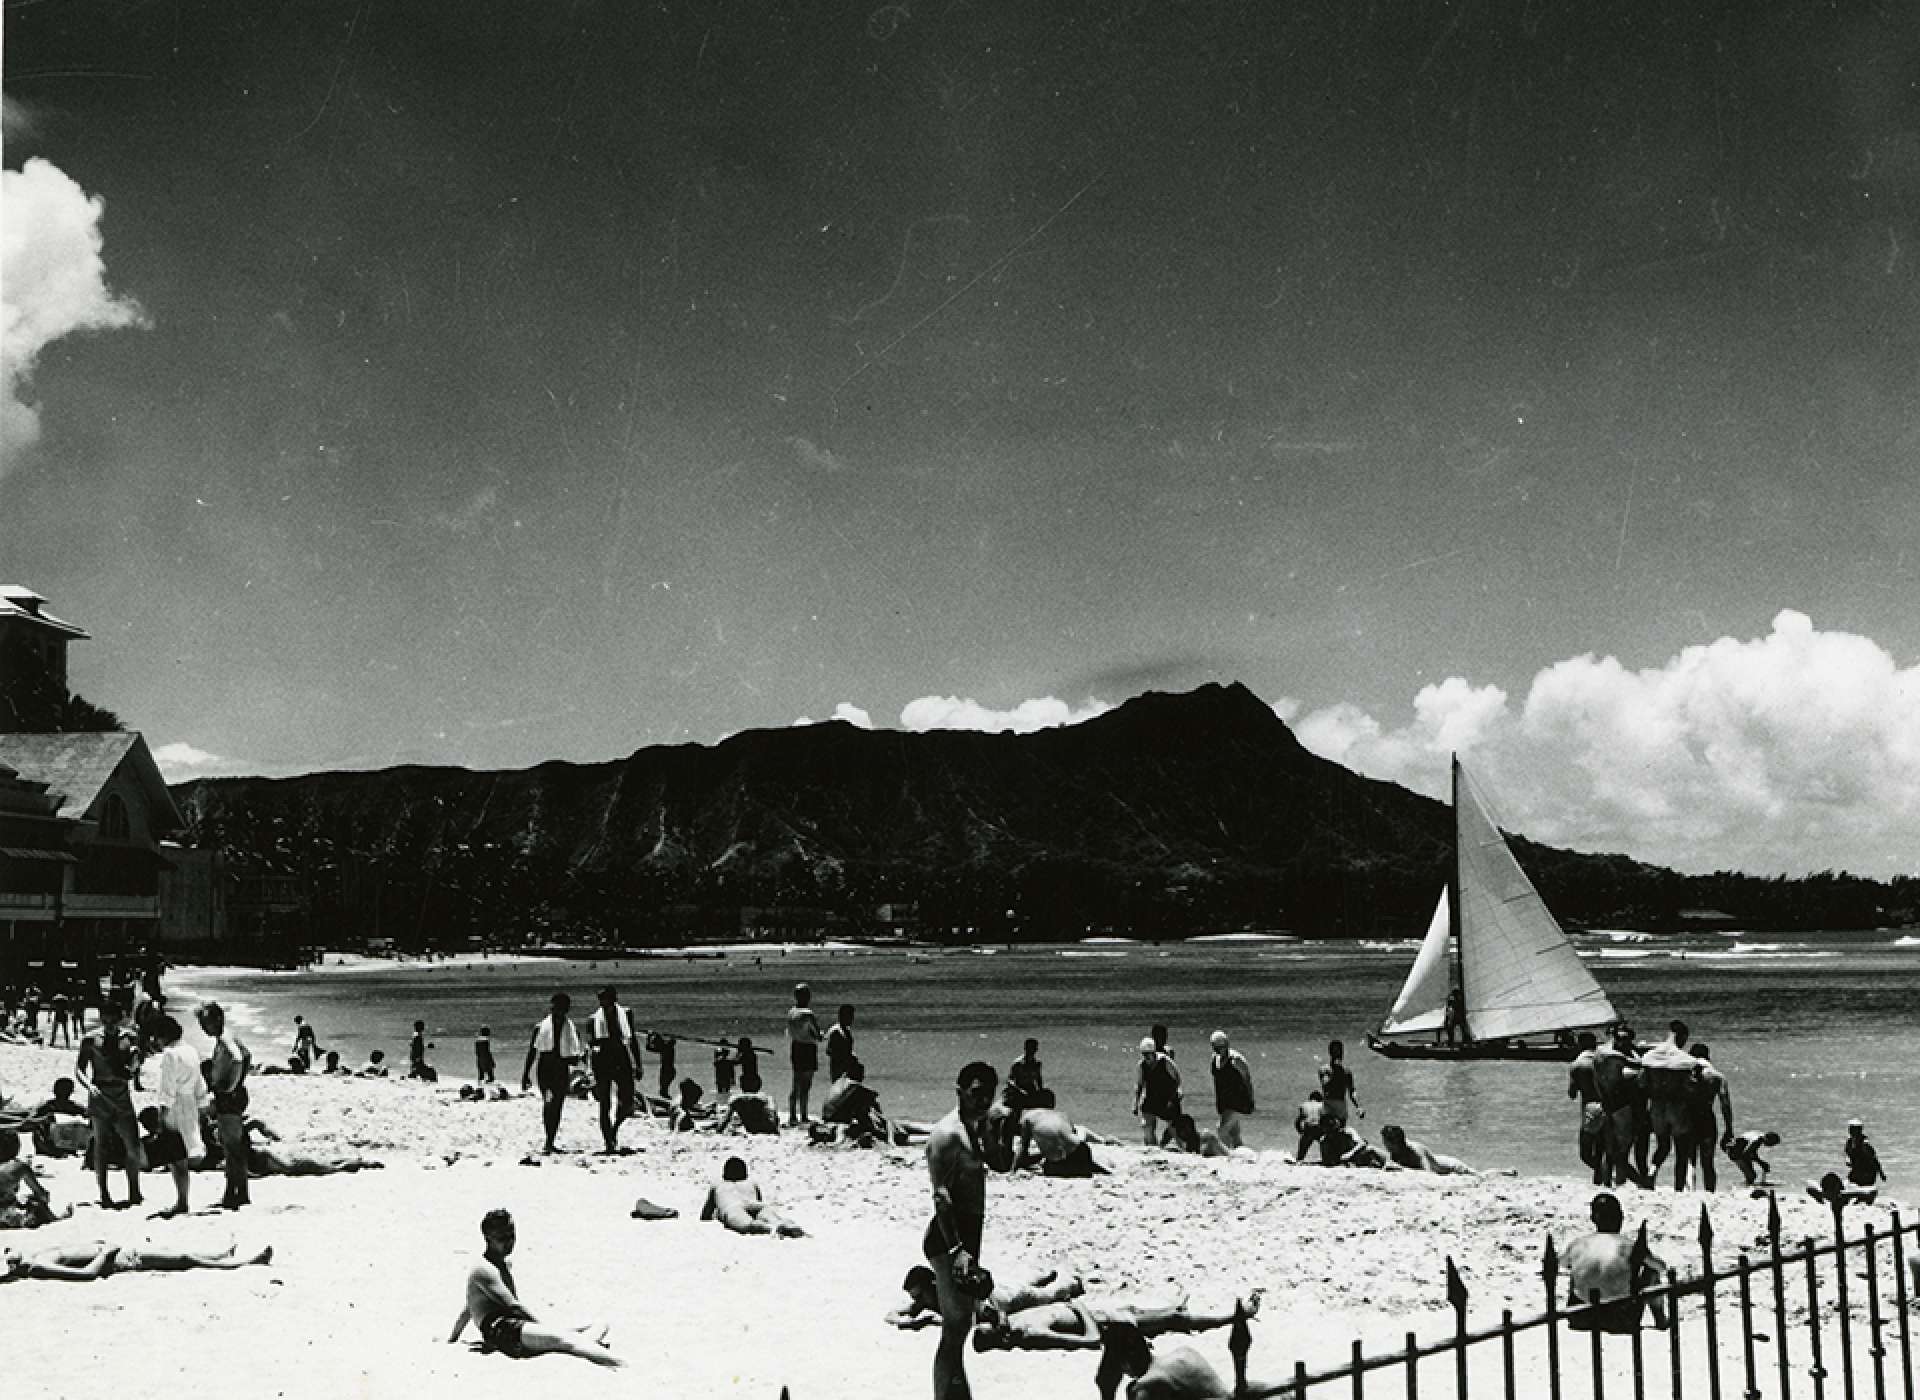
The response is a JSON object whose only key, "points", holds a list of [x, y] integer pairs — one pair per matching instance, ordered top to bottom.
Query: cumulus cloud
{"points": [[53, 282], [951, 712], [853, 714], [1795, 751], [181, 762]]}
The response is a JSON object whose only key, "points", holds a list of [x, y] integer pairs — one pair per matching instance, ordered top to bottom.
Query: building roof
{"points": [[23, 603], [77, 768]]}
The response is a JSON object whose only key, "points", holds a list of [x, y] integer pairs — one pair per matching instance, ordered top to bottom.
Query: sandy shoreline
{"points": [[366, 1278]]}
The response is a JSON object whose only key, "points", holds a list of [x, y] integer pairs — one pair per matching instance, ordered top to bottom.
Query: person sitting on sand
{"points": [[417, 1047], [333, 1064], [376, 1066], [852, 1104], [687, 1113], [755, 1113], [59, 1125], [1185, 1135], [1341, 1146], [1065, 1150], [1402, 1151], [1744, 1152], [1863, 1161], [1830, 1190], [735, 1201], [24, 1202], [83, 1263], [1608, 1266], [1033, 1289], [1078, 1325], [506, 1326], [1181, 1374]]}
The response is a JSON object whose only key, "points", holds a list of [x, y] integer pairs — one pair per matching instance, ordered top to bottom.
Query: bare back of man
{"points": [[1603, 1264]]}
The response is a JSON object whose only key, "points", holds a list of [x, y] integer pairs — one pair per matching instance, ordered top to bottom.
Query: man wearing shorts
{"points": [[803, 1039], [555, 1049], [616, 1065], [105, 1069], [957, 1158], [506, 1326]]}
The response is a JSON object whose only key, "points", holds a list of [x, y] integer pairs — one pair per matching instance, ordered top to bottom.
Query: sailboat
{"points": [[1524, 989]]}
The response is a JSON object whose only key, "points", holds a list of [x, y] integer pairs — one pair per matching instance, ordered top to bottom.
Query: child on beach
{"points": [[483, 1056], [417, 1066], [1744, 1152], [1863, 1161]]}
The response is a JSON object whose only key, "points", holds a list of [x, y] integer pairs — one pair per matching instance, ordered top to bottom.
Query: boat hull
{"points": [[1471, 1050]]}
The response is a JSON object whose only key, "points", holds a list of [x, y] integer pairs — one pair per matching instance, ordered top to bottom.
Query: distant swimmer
{"points": [[554, 1049], [1232, 1087], [1403, 1151], [1744, 1152], [736, 1202], [1607, 1265], [1032, 1289], [1079, 1325], [506, 1326]]}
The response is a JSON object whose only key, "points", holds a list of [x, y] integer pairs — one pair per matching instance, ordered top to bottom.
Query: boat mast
{"points": [[1453, 894]]}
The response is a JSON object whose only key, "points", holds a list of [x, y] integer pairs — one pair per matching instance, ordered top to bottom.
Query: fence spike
{"points": [[1773, 1219], [1706, 1230], [1550, 1266], [1456, 1290], [1240, 1342]]}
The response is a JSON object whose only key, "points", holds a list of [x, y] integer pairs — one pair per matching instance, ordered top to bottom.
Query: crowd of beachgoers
{"points": [[908, 1267]]}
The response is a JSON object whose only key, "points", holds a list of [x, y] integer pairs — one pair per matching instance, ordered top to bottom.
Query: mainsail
{"points": [[1520, 974], [1422, 1004]]}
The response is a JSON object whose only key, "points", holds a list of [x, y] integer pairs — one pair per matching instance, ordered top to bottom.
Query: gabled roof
{"points": [[17, 601], [77, 768]]}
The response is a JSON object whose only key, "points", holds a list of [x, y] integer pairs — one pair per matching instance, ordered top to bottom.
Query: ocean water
{"points": [[1811, 1028]]}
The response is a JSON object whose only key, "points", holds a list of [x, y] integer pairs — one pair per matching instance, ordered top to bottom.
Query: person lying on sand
{"points": [[1341, 1146], [1064, 1150], [1402, 1151], [735, 1201], [24, 1202], [83, 1263], [1609, 1265], [1033, 1289], [1077, 1325], [506, 1326], [1181, 1374]]}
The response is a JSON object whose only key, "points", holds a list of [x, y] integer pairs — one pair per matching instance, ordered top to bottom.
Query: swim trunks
{"points": [[806, 1057], [501, 1333]]}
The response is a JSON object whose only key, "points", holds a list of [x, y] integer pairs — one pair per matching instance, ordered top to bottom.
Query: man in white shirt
{"points": [[555, 1046]]}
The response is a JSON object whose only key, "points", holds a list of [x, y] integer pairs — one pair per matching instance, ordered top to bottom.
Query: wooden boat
{"points": [[1493, 940]]}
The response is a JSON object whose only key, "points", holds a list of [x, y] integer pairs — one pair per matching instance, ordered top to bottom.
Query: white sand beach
{"points": [[367, 1274]]}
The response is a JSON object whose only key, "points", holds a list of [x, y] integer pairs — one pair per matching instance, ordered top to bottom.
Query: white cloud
{"points": [[52, 283], [951, 712], [853, 714], [1795, 751], [181, 762]]}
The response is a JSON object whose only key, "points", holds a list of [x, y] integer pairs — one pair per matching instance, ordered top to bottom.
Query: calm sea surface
{"points": [[1811, 1029]]}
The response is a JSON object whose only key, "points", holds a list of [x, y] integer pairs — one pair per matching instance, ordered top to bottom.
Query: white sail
{"points": [[1520, 973], [1422, 1004]]}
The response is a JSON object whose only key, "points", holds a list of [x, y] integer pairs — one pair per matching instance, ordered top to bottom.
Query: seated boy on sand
{"points": [[753, 1112], [1064, 1149], [735, 1201], [506, 1326]]}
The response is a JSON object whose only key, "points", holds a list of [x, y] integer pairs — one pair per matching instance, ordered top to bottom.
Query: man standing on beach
{"points": [[803, 1038], [306, 1043], [840, 1044], [556, 1048], [483, 1056], [616, 1065], [105, 1070], [1668, 1073], [1616, 1074], [227, 1078], [1582, 1084], [1232, 1088], [1156, 1089], [1338, 1092], [1707, 1093], [957, 1158], [493, 1303]]}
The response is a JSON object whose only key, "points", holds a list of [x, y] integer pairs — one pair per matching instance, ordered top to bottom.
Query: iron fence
{"points": [[1766, 1365]]}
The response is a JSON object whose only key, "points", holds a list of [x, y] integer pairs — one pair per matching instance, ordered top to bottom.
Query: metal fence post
{"points": [[1636, 1265], [1550, 1272], [1840, 1284], [1457, 1296], [1779, 1297], [1900, 1302], [1713, 1316], [1874, 1323], [1746, 1327], [1673, 1333], [1240, 1342], [1506, 1349], [1413, 1367], [1599, 1369], [1818, 1370], [1359, 1372], [1299, 1380]]}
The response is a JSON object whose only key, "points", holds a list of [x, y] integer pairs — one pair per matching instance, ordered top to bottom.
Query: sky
{"points": [[485, 383]]}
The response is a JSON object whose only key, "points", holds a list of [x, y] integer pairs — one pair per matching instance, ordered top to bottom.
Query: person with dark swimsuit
{"points": [[555, 1046], [957, 1161], [506, 1326]]}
